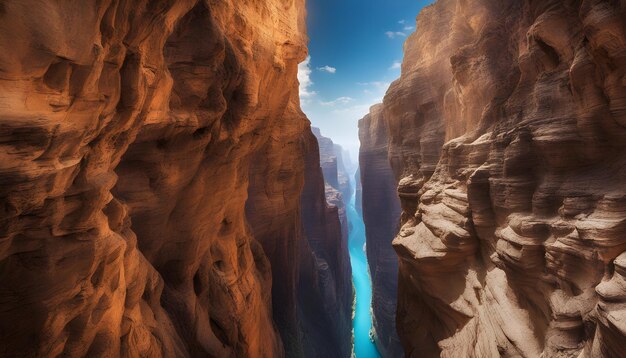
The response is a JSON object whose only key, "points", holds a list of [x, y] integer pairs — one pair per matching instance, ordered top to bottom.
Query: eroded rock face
{"points": [[132, 135], [337, 182], [381, 214], [513, 232], [325, 287], [311, 290]]}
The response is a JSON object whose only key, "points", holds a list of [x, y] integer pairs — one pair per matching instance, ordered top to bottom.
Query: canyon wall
{"points": [[507, 136], [152, 159], [334, 161], [337, 181], [381, 214], [303, 239], [326, 271]]}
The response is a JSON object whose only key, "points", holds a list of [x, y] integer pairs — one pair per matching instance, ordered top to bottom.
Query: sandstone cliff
{"points": [[133, 133], [381, 214], [513, 237]]}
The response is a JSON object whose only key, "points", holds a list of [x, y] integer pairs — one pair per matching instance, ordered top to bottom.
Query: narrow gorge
{"points": [[186, 178]]}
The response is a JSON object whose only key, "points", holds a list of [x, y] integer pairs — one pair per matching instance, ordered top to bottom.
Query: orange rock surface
{"points": [[132, 135]]}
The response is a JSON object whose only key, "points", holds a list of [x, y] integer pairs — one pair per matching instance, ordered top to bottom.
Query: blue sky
{"points": [[355, 52]]}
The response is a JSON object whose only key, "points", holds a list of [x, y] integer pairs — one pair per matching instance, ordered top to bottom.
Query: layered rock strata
{"points": [[130, 140], [381, 215], [513, 231]]}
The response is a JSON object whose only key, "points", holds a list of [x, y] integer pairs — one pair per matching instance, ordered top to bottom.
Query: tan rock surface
{"points": [[128, 134], [513, 231]]}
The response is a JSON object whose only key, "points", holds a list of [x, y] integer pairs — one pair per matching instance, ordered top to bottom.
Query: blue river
{"points": [[362, 321]]}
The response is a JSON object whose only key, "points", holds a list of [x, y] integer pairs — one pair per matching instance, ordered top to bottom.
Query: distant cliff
{"points": [[507, 137], [337, 180]]}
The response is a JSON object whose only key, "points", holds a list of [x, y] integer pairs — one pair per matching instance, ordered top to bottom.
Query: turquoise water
{"points": [[362, 322]]}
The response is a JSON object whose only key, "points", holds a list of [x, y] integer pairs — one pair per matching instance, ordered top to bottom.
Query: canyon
{"points": [[506, 136], [161, 191], [163, 194]]}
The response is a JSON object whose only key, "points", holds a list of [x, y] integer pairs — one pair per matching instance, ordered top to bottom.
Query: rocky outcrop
{"points": [[133, 134], [381, 214], [513, 231]]}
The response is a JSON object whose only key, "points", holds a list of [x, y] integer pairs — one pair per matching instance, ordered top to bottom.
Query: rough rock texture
{"points": [[130, 138], [334, 166], [337, 182], [381, 214], [514, 231], [326, 270], [311, 273]]}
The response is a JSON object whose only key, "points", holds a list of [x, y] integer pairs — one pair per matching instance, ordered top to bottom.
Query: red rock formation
{"points": [[131, 136], [381, 214], [513, 231]]}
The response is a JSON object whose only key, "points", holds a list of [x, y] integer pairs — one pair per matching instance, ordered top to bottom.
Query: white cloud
{"points": [[402, 22], [409, 28], [394, 34], [396, 65], [327, 68], [304, 77], [376, 84], [374, 90], [340, 100], [359, 109]]}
